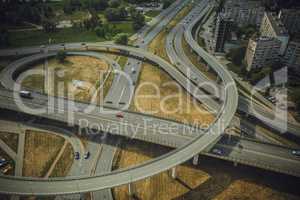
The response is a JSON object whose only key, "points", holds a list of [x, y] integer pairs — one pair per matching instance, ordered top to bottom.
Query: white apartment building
{"points": [[272, 27], [262, 51]]}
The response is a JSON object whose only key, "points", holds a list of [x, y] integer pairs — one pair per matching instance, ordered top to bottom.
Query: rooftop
{"points": [[277, 24]]}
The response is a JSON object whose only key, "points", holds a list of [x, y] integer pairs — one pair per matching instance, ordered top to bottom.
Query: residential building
{"points": [[245, 12], [291, 19], [272, 27], [222, 32], [262, 51], [292, 55]]}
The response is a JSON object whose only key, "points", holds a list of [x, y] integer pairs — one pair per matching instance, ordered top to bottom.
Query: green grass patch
{"points": [[152, 13], [77, 15], [124, 27], [27, 38], [122, 61], [236, 69]]}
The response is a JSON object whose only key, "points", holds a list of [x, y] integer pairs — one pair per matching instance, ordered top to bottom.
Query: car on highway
{"points": [[133, 70], [25, 94], [272, 99], [119, 115], [217, 151], [296, 152], [77, 155], [87, 155], [3, 162]]}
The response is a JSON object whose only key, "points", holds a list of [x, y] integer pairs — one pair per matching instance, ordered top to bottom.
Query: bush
{"points": [[100, 32], [121, 38], [236, 55], [61, 56]]}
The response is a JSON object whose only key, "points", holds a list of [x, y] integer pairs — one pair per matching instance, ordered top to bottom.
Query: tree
{"points": [[114, 3], [166, 3], [98, 5], [116, 14], [138, 20], [93, 21], [49, 25], [100, 32], [3, 38], [121, 38], [236, 55], [61, 56]]}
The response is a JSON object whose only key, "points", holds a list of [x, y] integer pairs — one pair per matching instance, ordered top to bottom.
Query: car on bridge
{"points": [[25, 94], [119, 115], [218, 152], [296, 152], [77, 155], [87, 155], [3, 162]]}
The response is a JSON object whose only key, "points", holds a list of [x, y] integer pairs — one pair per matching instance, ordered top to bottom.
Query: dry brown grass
{"points": [[194, 59], [91, 71], [182, 107], [11, 139], [40, 150], [64, 165], [211, 179], [161, 186], [243, 189]]}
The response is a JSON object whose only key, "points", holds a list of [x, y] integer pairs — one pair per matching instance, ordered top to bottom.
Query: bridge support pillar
{"points": [[218, 79], [196, 159], [173, 172], [131, 190]]}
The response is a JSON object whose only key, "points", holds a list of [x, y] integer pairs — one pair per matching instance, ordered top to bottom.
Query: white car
{"points": [[133, 70], [25, 94], [217, 151]]}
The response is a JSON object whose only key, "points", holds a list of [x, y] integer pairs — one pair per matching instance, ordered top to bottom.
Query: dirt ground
{"points": [[194, 59], [77, 77], [172, 100], [180, 106], [11, 139], [40, 150], [64, 165], [211, 179], [161, 186]]}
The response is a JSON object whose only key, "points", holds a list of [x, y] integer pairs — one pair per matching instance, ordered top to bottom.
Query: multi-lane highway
{"points": [[121, 93], [199, 141], [137, 173]]}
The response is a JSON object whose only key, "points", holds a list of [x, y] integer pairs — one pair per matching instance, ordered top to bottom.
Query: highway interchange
{"points": [[199, 141]]}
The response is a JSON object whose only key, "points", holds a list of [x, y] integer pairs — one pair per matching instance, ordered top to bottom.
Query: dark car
{"points": [[25, 94], [119, 115], [296, 152], [87, 155], [77, 156], [3, 162]]}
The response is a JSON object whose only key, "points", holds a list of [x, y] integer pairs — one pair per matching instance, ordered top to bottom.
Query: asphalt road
{"points": [[158, 165]]}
